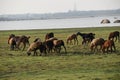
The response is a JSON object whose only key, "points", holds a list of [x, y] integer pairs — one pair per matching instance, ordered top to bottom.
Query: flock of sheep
{"points": [[51, 43]]}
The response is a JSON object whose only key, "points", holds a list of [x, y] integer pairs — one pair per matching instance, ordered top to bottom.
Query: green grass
{"points": [[77, 64]]}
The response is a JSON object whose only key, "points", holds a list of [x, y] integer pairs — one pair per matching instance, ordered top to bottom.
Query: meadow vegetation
{"points": [[78, 64]]}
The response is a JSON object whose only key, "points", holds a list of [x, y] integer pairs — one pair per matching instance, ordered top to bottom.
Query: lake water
{"points": [[57, 23]]}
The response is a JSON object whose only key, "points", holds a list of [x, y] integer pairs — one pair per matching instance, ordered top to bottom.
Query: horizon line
{"points": [[57, 12]]}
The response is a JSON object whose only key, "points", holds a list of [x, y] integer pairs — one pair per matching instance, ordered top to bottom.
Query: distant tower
{"points": [[75, 6]]}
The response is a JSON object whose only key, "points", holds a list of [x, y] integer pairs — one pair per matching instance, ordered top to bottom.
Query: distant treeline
{"points": [[69, 14]]}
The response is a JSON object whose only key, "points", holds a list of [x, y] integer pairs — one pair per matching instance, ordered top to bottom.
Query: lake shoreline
{"points": [[61, 28]]}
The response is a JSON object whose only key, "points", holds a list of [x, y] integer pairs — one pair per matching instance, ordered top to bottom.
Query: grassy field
{"points": [[78, 64]]}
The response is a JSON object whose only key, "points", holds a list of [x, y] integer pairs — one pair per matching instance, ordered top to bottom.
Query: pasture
{"points": [[78, 64]]}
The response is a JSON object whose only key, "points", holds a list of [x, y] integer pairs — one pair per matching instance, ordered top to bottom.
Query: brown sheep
{"points": [[115, 35], [72, 37], [20, 39], [95, 42], [12, 43], [49, 44], [58, 44], [108, 44], [35, 46]]}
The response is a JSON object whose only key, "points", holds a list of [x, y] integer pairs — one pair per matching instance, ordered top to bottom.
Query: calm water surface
{"points": [[57, 23]]}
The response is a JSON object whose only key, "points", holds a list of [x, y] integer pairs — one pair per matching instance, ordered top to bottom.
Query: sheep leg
{"points": [[115, 38], [24, 46], [11, 47], [114, 47], [65, 49], [107, 49], [111, 49], [35, 53]]}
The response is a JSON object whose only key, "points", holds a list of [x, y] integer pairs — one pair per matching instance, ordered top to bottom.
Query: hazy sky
{"points": [[52, 6]]}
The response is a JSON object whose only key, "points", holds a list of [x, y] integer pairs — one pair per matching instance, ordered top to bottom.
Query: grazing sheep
{"points": [[115, 35], [72, 37], [87, 37], [20, 39], [23, 39], [95, 42], [49, 44], [58, 44], [108, 44], [36, 46]]}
